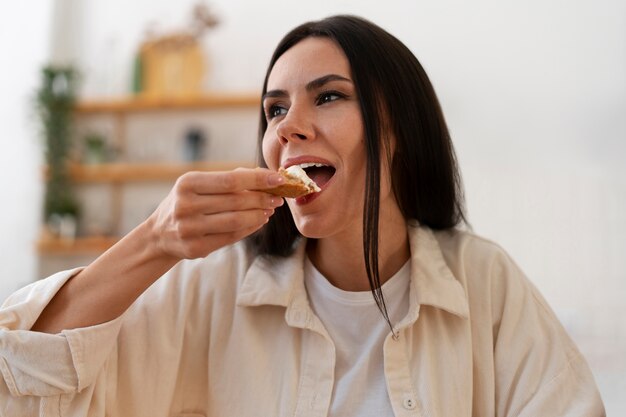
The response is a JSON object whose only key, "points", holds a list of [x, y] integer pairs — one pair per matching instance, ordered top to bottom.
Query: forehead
{"points": [[307, 60]]}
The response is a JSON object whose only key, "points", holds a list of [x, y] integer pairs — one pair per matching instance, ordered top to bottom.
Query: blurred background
{"points": [[534, 94]]}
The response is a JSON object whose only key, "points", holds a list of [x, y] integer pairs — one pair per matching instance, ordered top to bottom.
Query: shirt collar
{"points": [[274, 280], [280, 281], [432, 281]]}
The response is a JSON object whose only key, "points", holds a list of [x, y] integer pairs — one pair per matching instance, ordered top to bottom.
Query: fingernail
{"points": [[275, 179], [276, 202]]}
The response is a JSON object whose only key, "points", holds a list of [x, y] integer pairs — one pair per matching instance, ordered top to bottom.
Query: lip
{"points": [[304, 159], [309, 159], [310, 197], [307, 198]]}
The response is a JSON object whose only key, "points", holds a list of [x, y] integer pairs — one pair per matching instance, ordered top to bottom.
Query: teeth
{"points": [[311, 164]]}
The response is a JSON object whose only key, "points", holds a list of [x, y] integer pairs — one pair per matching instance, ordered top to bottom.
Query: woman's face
{"points": [[313, 117]]}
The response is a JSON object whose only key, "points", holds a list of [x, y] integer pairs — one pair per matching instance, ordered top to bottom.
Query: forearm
{"points": [[202, 213], [107, 287]]}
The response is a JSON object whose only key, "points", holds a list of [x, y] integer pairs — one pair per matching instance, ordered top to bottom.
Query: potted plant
{"points": [[55, 102], [96, 151]]}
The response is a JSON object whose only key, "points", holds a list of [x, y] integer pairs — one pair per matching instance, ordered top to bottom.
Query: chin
{"points": [[318, 223], [316, 226], [319, 226], [311, 230]]}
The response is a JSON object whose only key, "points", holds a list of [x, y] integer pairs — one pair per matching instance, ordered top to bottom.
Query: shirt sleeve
{"points": [[39, 365], [538, 369]]}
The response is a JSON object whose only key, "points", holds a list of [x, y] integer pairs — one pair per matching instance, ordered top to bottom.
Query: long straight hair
{"points": [[397, 102]]}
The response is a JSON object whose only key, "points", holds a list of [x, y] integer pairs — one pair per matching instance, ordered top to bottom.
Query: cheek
{"points": [[353, 134], [270, 152]]}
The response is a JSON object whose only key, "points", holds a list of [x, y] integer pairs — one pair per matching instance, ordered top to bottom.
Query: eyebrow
{"points": [[311, 85]]}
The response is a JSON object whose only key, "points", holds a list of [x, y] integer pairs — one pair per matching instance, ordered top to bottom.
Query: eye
{"points": [[328, 96], [275, 111]]}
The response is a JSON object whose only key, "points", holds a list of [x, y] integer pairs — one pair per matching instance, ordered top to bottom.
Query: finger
{"points": [[225, 182], [217, 203], [234, 221], [225, 222], [230, 238], [202, 246]]}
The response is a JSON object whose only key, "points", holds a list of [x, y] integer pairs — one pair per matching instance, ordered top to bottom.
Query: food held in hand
{"points": [[297, 183]]}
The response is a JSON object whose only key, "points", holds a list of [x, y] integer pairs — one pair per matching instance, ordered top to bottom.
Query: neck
{"points": [[340, 257]]}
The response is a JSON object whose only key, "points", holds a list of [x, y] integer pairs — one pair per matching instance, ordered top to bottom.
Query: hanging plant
{"points": [[55, 102]]}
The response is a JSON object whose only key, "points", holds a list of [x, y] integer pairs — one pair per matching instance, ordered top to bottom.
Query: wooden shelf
{"points": [[144, 104], [139, 172], [117, 174], [93, 245]]}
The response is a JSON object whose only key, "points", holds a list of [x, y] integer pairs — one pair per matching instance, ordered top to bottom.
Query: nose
{"points": [[296, 126]]}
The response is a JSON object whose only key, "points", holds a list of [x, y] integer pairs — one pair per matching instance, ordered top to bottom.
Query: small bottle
{"points": [[195, 143]]}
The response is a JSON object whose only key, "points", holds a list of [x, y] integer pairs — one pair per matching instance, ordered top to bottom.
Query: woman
{"points": [[283, 324]]}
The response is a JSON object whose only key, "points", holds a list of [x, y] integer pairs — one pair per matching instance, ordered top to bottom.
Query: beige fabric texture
{"points": [[234, 335]]}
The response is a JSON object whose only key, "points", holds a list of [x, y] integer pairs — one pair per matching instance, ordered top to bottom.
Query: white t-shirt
{"points": [[358, 330]]}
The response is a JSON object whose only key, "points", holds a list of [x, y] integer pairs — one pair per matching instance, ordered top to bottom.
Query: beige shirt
{"points": [[232, 335]]}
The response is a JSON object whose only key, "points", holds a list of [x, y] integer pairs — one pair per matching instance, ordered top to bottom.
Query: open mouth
{"points": [[320, 173]]}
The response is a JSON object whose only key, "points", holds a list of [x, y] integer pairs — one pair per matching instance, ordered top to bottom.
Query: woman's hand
{"points": [[208, 210], [203, 212]]}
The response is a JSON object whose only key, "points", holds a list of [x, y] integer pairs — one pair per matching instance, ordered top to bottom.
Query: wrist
{"points": [[148, 239]]}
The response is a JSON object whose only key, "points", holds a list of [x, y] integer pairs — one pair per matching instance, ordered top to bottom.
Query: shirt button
{"points": [[409, 403]]}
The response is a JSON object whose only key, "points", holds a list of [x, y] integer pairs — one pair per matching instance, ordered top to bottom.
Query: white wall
{"points": [[24, 42], [535, 97]]}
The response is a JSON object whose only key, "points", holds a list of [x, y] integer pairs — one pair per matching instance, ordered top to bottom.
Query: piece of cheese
{"points": [[297, 172]]}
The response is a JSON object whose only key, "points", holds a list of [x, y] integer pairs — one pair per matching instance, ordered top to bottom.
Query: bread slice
{"points": [[297, 183]]}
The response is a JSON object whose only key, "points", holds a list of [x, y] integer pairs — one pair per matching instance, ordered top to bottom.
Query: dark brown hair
{"points": [[394, 94]]}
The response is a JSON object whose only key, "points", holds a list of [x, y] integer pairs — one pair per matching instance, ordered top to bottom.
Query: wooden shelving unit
{"points": [[144, 104], [128, 172], [117, 174], [47, 245]]}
